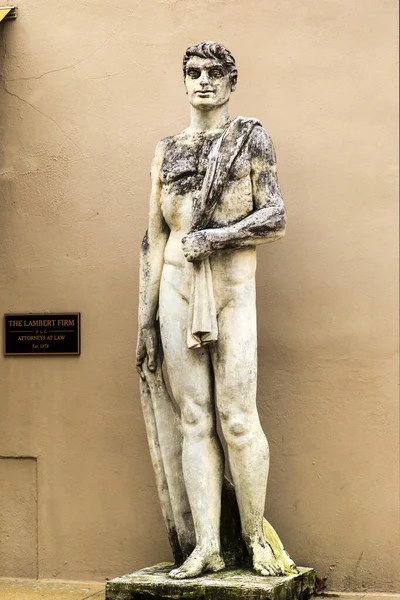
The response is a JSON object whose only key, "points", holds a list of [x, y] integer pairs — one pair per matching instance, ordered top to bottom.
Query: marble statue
{"points": [[214, 197]]}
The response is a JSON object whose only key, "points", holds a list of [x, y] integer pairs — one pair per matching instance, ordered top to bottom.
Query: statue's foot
{"points": [[202, 560], [264, 561]]}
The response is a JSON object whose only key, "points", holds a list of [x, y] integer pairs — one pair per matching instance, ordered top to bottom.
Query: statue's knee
{"points": [[195, 424], [237, 429]]}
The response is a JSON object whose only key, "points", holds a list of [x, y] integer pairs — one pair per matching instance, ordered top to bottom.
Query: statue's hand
{"points": [[196, 245], [147, 346]]}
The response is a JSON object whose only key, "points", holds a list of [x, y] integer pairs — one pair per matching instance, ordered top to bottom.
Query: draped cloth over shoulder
{"points": [[202, 326]]}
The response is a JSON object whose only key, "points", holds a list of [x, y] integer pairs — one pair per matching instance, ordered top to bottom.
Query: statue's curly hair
{"points": [[213, 50]]}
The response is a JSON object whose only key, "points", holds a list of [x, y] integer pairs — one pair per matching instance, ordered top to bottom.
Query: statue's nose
{"points": [[203, 78]]}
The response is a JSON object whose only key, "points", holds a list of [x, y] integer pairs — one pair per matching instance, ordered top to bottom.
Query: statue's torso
{"points": [[183, 169], [182, 173]]}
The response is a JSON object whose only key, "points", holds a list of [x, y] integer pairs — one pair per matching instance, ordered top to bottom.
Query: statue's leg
{"points": [[234, 359], [190, 377]]}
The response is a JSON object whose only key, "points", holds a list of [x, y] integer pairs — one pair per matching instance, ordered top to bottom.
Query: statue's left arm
{"points": [[265, 224]]}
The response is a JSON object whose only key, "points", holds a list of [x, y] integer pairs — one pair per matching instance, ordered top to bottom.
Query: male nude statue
{"points": [[206, 274]]}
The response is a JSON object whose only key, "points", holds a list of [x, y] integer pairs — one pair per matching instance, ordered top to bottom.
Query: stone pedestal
{"points": [[153, 583]]}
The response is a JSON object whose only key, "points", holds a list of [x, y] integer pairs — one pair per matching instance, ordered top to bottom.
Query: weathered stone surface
{"points": [[214, 197], [153, 583]]}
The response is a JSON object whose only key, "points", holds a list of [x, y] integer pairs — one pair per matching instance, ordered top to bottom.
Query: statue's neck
{"points": [[208, 120]]}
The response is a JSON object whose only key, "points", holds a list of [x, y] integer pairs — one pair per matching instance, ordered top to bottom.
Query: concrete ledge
{"points": [[153, 583]]}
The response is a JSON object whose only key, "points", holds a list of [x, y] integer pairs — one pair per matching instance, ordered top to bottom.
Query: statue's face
{"points": [[207, 83]]}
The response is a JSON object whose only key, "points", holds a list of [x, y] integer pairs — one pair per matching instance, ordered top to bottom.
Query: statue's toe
{"points": [[181, 575]]}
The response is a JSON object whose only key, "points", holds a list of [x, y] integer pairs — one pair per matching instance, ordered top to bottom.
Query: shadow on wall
{"points": [[6, 30], [3, 31]]}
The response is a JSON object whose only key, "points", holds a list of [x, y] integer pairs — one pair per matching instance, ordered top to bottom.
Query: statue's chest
{"points": [[185, 164], [182, 174]]}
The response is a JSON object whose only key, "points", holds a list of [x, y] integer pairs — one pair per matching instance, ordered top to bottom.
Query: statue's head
{"points": [[210, 74]]}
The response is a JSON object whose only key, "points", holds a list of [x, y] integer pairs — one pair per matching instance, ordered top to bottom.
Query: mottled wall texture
{"points": [[87, 89]]}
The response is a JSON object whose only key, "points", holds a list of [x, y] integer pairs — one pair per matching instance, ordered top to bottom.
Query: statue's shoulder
{"points": [[258, 131], [258, 137], [172, 140], [260, 141], [163, 144], [168, 147], [162, 148]]}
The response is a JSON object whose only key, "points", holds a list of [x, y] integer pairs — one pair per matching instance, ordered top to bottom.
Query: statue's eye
{"points": [[193, 73], [217, 73]]}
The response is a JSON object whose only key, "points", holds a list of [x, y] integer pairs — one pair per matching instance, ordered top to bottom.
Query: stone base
{"points": [[153, 583]]}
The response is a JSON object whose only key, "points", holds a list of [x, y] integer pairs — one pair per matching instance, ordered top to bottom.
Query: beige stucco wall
{"points": [[87, 90]]}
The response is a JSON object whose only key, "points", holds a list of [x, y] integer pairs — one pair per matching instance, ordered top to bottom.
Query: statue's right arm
{"points": [[151, 264]]}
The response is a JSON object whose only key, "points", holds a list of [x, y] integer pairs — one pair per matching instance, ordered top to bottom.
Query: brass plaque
{"points": [[42, 334]]}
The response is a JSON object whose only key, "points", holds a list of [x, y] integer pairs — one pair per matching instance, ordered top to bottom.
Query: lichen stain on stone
{"points": [[185, 162], [145, 242], [237, 584]]}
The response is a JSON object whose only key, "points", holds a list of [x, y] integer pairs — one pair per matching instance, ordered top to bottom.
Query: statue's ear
{"points": [[233, 87]]}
